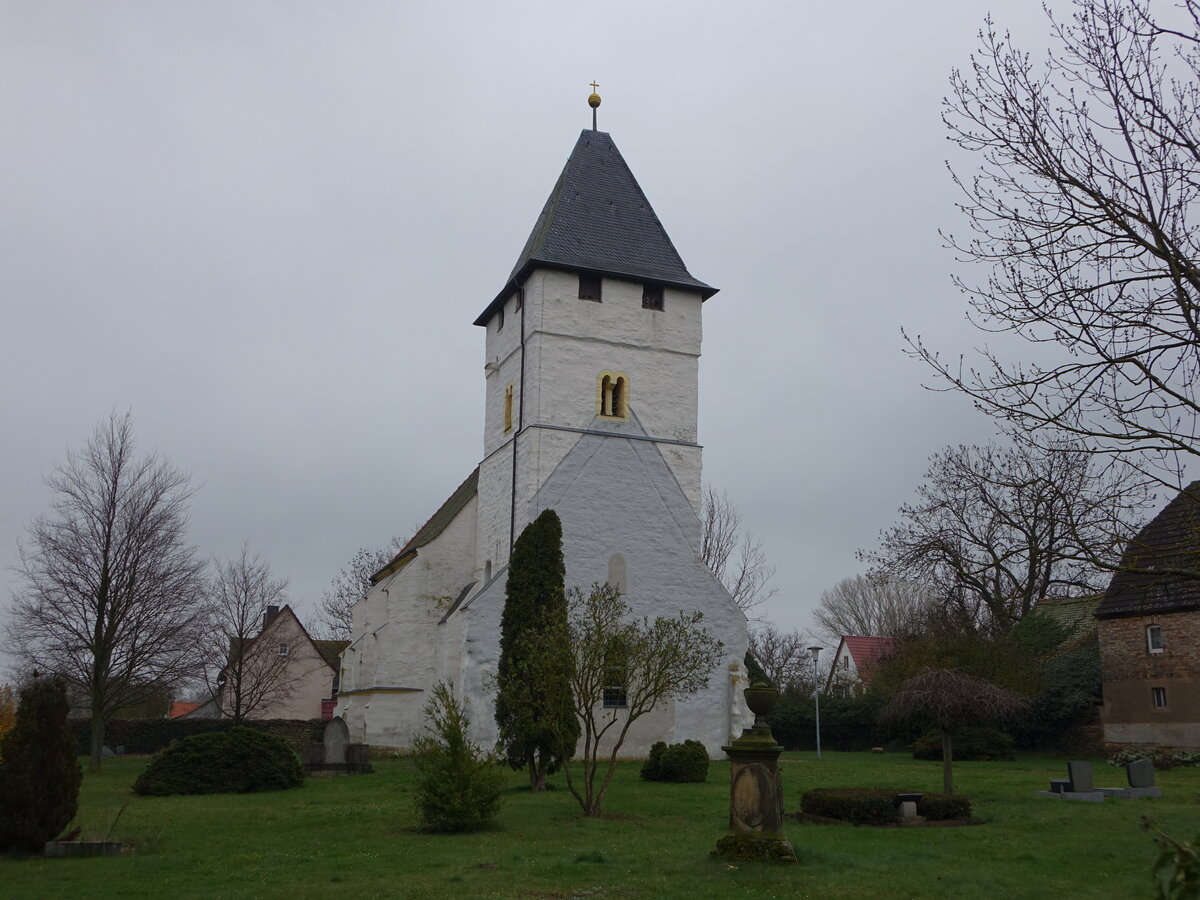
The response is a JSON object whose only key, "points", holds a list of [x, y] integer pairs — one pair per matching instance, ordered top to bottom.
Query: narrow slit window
{"points": [[589, 287], [652, 296], [500, 319], [508, 408], [618, 575], [1154, 639], [1159, 697]]}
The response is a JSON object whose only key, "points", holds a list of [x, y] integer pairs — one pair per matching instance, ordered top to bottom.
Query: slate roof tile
{"points": [[597, 219], [1163, 553]]}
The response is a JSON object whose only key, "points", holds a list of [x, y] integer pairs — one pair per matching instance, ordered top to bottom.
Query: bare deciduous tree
{"points": [[1084, 212], [994, 530], [735, 555], [350, 585], [113, 596], [872, 607], [784, 657], [624, 668], [247, 675], [947, 699]]}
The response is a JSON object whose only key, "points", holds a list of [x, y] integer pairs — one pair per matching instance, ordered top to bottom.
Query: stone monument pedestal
{"points": [[756, 790]]}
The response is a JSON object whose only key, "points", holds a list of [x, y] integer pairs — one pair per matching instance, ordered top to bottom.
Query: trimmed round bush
{"points": [[977, 744], [237, 761], [686, 762]]}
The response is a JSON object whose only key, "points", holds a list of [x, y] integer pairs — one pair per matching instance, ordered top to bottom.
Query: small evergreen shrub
{"points": [[979, 744], [237, 761], [686, 762], [40, 775], [460, 783], [879, 806], [944, 807]]}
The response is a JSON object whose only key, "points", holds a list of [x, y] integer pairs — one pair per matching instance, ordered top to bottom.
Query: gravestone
{"points": [[337, 736], [335, 755], [1080, 773], [1140, 773], [1078, 786], [756, 789]]}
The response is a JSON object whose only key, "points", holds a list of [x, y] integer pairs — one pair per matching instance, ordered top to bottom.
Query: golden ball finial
{"points": [[594, 101]]}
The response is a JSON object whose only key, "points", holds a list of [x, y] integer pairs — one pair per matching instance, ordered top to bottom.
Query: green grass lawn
{"points": [[356, 837]]}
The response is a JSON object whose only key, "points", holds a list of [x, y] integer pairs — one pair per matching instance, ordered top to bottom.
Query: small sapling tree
{"points": [[623, 668], [947, 699], [533, 703], [39, 775], [460, 782]]}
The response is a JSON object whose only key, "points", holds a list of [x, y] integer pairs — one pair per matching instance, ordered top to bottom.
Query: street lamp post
{"points": [[816, 651]]}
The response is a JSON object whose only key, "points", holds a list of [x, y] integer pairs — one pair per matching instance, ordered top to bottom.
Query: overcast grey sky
{"points": [[266, 229]]}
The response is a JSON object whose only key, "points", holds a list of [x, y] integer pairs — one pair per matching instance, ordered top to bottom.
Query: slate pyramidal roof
{"points": [[597, 220], [1162, 560]]}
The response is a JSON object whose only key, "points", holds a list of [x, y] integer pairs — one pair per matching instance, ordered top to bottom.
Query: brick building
{"points": [[1149, 631]]}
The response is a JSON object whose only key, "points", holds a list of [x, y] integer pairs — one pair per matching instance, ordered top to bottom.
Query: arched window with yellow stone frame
{"points": [[612, 395]]}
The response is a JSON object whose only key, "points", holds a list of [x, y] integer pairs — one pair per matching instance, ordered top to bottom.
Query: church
{"points": [[591, 364]]}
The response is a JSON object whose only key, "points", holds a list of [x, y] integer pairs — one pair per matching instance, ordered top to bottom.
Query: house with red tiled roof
{"points": [[856, 662], [182, 708]]}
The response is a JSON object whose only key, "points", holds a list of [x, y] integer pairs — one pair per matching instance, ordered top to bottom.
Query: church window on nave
{"points": [[589, 287], [652, 296], [500, 319], [612, 395], [508, 408], [615, 676]]}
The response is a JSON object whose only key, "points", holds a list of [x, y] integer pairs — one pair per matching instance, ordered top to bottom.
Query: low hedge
{"points": [[968, 745], [237, 761], [686, 762], [861, 806], [878, 806], [944, 807]]}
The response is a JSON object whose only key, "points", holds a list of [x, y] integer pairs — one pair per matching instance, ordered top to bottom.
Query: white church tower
{"points": [[591, 363]]}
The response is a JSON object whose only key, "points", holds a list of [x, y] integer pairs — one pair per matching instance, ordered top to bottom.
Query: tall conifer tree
{"points": [[534, 709], [40, 775]]}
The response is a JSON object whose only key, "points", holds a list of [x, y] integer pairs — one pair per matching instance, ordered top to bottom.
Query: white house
{"points": [[591, 357]]}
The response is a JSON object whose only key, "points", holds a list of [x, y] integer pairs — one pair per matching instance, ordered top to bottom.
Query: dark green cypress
{"points": [[534, 708], [39, 774]]}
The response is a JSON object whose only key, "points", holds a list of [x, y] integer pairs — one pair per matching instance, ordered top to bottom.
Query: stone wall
{"points": [[1131, 672], [146, 736]]}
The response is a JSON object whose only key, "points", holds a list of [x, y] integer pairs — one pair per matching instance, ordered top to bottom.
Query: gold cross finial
{"points": [[593, 102]]}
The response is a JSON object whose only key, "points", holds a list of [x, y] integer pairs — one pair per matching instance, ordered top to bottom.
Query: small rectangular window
{"points": [[589, 287], [652, 296], [1154, 639], [283, 649], [1159, 694]]}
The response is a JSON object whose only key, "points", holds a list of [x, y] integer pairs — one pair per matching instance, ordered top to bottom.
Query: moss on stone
{"points": [[752, 848]]}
